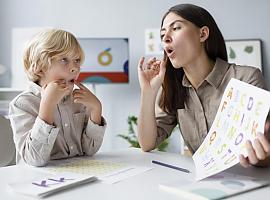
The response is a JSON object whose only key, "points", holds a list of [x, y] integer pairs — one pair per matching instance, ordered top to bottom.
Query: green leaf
{"points": [[248, 49], [232, 54], [131, 138], [132, 142], [163, 145]]}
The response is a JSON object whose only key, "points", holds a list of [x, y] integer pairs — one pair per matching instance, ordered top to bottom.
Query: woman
{"points": [[194, 74]]}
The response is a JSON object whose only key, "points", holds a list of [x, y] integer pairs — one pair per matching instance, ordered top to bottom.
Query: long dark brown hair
{"points": [[174, 94]]}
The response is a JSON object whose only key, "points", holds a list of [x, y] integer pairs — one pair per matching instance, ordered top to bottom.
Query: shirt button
{"points": [[66, 125], [71, 147]]}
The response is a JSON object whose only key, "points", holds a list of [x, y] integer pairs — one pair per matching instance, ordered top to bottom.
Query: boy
{"points": [[49, 119]]}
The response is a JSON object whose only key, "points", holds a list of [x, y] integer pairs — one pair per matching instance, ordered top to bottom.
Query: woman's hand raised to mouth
{"points": [[151, 75]]}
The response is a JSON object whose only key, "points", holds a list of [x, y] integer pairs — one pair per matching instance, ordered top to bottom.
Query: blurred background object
{"points": [[7, 147]]}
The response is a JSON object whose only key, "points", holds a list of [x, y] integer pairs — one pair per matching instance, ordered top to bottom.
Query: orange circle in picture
{"points": [[105, 58]]}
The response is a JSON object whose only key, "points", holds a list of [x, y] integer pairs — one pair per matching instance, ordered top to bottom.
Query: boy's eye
{"points": [[65, 60], [77, 60]]}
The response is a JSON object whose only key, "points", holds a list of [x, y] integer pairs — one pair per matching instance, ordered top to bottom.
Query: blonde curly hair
{"points": [[45, 46]]}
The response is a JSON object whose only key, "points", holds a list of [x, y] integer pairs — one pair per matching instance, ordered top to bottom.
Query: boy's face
{"points": [[65, 68]]}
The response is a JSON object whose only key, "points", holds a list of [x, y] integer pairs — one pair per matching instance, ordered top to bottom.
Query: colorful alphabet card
{"points": [[240, 117]]}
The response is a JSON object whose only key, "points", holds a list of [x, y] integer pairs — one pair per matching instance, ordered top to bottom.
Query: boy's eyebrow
{"points": [[171, 24]]}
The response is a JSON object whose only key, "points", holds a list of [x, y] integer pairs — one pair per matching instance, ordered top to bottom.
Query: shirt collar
{"points": [[218, 72], [215, 76], [185, 81], [34, 88]]}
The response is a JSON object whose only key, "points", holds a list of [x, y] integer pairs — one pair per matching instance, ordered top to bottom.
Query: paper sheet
{"points": [[241, 115], [108, 172], [49, 184], [221, 186]]}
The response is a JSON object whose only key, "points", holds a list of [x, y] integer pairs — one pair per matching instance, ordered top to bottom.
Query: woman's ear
{"points": [[204, 33]]}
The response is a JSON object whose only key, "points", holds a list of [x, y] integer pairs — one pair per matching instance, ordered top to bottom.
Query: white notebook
{"points": [[49, 184], [220, 186]]}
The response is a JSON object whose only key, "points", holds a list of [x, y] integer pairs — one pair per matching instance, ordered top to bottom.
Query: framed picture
{"points": [[153, 45], [245, 52], [106, 60]]}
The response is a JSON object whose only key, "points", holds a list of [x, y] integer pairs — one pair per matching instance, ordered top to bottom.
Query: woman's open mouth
{"points": [[169, 51]]}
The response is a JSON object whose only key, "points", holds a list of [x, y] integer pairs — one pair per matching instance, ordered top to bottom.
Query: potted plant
{"points": [[131, 136]]}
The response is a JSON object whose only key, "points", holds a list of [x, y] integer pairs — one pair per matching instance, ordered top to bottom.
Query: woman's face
{"points": [[181, 40]]}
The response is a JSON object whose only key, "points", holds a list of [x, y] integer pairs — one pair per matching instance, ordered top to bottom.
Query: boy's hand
{"points": [[54, 91], [51, 94], [84, 96]]}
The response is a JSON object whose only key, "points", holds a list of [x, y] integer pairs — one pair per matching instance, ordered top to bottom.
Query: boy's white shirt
{"points": [[37, 142]]}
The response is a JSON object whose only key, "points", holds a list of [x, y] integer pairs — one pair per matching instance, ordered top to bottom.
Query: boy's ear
{"points": [[204, 33], [40, 73]]}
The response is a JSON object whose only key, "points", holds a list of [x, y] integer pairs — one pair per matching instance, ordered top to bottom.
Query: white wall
{"points": [[237, 19], [4, 56]]}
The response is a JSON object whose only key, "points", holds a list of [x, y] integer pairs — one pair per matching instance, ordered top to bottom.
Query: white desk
{"points": [[142, 186]]}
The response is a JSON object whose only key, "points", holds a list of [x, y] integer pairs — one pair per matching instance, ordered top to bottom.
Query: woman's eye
{"points": [[176, 28], [162, 34]]}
